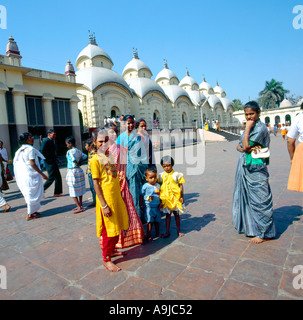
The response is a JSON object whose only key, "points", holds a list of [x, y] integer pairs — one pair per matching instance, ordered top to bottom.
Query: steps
{"points": [[227, 135]]}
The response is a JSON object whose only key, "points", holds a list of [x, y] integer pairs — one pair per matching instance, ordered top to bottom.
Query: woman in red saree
{"points": [[135, 233]]}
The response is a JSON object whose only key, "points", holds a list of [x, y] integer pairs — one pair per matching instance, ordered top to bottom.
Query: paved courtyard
{"points": [[58, 256]]}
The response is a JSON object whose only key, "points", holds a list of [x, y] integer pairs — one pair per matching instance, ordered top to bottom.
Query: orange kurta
{"points": [[295, 180]]}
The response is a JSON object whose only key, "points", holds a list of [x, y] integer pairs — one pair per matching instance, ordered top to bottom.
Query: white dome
{"points": [[92, 51], [137, 65], [166, 74], [93, 77], [187, 80], [142, 86], [205, 86], [218, 89], [174, 92], [196, 97], [213, 100], [300, 102], [226, 103], [285, 103]]}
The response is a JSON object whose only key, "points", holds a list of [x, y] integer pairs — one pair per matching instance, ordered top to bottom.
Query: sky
{"points": [[240, 44]]}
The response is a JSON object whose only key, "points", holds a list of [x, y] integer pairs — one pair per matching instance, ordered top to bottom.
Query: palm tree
{"points": [[273, 94]]}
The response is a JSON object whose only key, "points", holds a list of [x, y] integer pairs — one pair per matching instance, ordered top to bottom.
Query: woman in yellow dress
{"points": [[171, 193], [111, 213]]}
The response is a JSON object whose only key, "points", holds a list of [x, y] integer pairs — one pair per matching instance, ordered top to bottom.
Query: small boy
{"points": [[150, 194]]}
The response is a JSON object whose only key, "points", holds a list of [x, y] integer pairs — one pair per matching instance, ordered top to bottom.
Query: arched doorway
{"points": [[114, 112], [156, 119], [184, 119], [288, 119], [267, 120], [277, 120]]}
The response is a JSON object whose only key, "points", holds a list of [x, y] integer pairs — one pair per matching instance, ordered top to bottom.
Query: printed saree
{"points": [[252, 212]]}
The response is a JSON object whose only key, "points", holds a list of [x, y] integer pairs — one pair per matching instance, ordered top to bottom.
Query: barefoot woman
{"points": [[252, 202], [111, 214]]}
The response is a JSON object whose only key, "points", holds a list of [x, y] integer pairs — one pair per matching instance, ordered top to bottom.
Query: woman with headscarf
{"points": [[136, 160], [29, 175], [252, 200], [135, 233]]}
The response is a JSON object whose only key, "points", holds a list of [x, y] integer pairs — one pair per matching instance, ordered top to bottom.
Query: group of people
{"points": [[126, 188], [129, 191], [252, 212]]}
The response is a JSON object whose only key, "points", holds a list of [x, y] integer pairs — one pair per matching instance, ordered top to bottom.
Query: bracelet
{"points": [[246, 135], [241, 149], [104, 206]]}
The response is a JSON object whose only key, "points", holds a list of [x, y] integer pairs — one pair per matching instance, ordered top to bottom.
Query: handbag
{"points": [[261, 153]]}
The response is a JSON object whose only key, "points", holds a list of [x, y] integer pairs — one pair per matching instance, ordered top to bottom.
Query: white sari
{"points": [[29, 181]]}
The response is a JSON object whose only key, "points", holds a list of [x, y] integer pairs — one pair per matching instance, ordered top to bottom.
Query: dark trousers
{"points": [[53, 175]]}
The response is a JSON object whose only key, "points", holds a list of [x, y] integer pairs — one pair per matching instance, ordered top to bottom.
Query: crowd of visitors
{"points": [[127, 190]]}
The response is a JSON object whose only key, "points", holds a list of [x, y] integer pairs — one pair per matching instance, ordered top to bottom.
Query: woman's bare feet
{"points": [[7, 208], [181, 234], [257, 240], [109, 265]]}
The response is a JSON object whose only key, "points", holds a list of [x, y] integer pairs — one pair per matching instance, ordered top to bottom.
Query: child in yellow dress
{"points": [[171, 193]]}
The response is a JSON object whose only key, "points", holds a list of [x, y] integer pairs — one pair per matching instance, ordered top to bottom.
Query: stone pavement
{"points": [[58, 256]]}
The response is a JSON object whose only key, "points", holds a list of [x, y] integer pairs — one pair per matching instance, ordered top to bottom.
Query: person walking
{"points": [[48, 149], [28, 174], [75, 177], [295, 180]]}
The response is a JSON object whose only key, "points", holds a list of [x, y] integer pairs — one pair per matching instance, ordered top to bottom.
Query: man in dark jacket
{"points": [[48, 149]]}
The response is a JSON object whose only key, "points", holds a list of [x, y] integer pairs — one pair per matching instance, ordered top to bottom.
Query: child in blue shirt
{"points": [[150, 195]]}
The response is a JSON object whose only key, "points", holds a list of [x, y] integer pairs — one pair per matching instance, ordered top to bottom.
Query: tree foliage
{"points": [[272, 95], [238, 105]]}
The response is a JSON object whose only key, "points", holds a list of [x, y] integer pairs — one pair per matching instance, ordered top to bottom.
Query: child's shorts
{"points": [[152, 214]]}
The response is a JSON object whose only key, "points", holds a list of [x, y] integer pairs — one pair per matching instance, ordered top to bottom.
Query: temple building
{"points": [[36, 100], [167, 100]]}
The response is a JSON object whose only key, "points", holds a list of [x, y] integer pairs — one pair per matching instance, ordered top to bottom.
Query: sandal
{"points": [[7, 210]]}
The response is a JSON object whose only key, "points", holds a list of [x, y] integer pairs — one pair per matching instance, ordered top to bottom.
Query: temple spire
{"points": [[91, 38]]}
